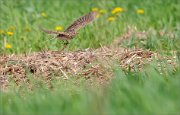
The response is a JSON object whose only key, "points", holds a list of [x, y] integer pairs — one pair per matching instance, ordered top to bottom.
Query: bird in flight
{"points": [[72, 30]]}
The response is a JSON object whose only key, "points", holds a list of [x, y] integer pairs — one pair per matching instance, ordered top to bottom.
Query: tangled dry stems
{"points": [[86, 63]]}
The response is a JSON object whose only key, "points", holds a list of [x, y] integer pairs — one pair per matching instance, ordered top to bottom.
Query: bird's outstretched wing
{"points": [[81, 22]]}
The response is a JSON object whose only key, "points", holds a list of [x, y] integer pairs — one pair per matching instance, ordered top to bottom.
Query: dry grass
{"points": [[87, 63]]}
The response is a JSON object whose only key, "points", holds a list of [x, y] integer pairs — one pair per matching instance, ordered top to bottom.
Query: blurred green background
{"points": [[22, 19], [145, 92]]}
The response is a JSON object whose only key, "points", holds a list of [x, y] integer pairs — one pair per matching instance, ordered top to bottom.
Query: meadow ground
{"points": [[113, 77]]}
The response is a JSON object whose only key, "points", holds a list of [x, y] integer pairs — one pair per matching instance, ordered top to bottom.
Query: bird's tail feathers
{"points": [[49, 31]]}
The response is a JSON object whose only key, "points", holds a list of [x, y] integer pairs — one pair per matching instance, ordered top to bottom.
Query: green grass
{"points": [[23, 15], [145, 92]]}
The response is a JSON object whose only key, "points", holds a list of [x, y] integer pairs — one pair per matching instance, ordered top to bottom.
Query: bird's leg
{"points": [[66, 42], [65, 45]]}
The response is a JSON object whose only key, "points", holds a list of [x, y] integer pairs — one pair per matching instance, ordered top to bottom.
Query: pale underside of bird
{"points": [[72, 30]]}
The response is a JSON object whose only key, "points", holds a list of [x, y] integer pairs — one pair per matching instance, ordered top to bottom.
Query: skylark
{"points": [[72, 30]]}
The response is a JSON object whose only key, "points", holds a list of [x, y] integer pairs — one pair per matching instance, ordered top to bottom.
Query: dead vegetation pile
{"points": [[87, 63]]}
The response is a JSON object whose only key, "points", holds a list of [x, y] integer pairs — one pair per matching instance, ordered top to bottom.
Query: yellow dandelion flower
{"points": [[94, 9], [117, 9], [102, 11], [140, 11], [43, 14], [111, 19], [11, 28], [59, 28], [1, 31], [10, 33], [8, 46]]}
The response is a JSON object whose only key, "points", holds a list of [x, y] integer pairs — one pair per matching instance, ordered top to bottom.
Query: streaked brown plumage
{"points": [[71, 31]]}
